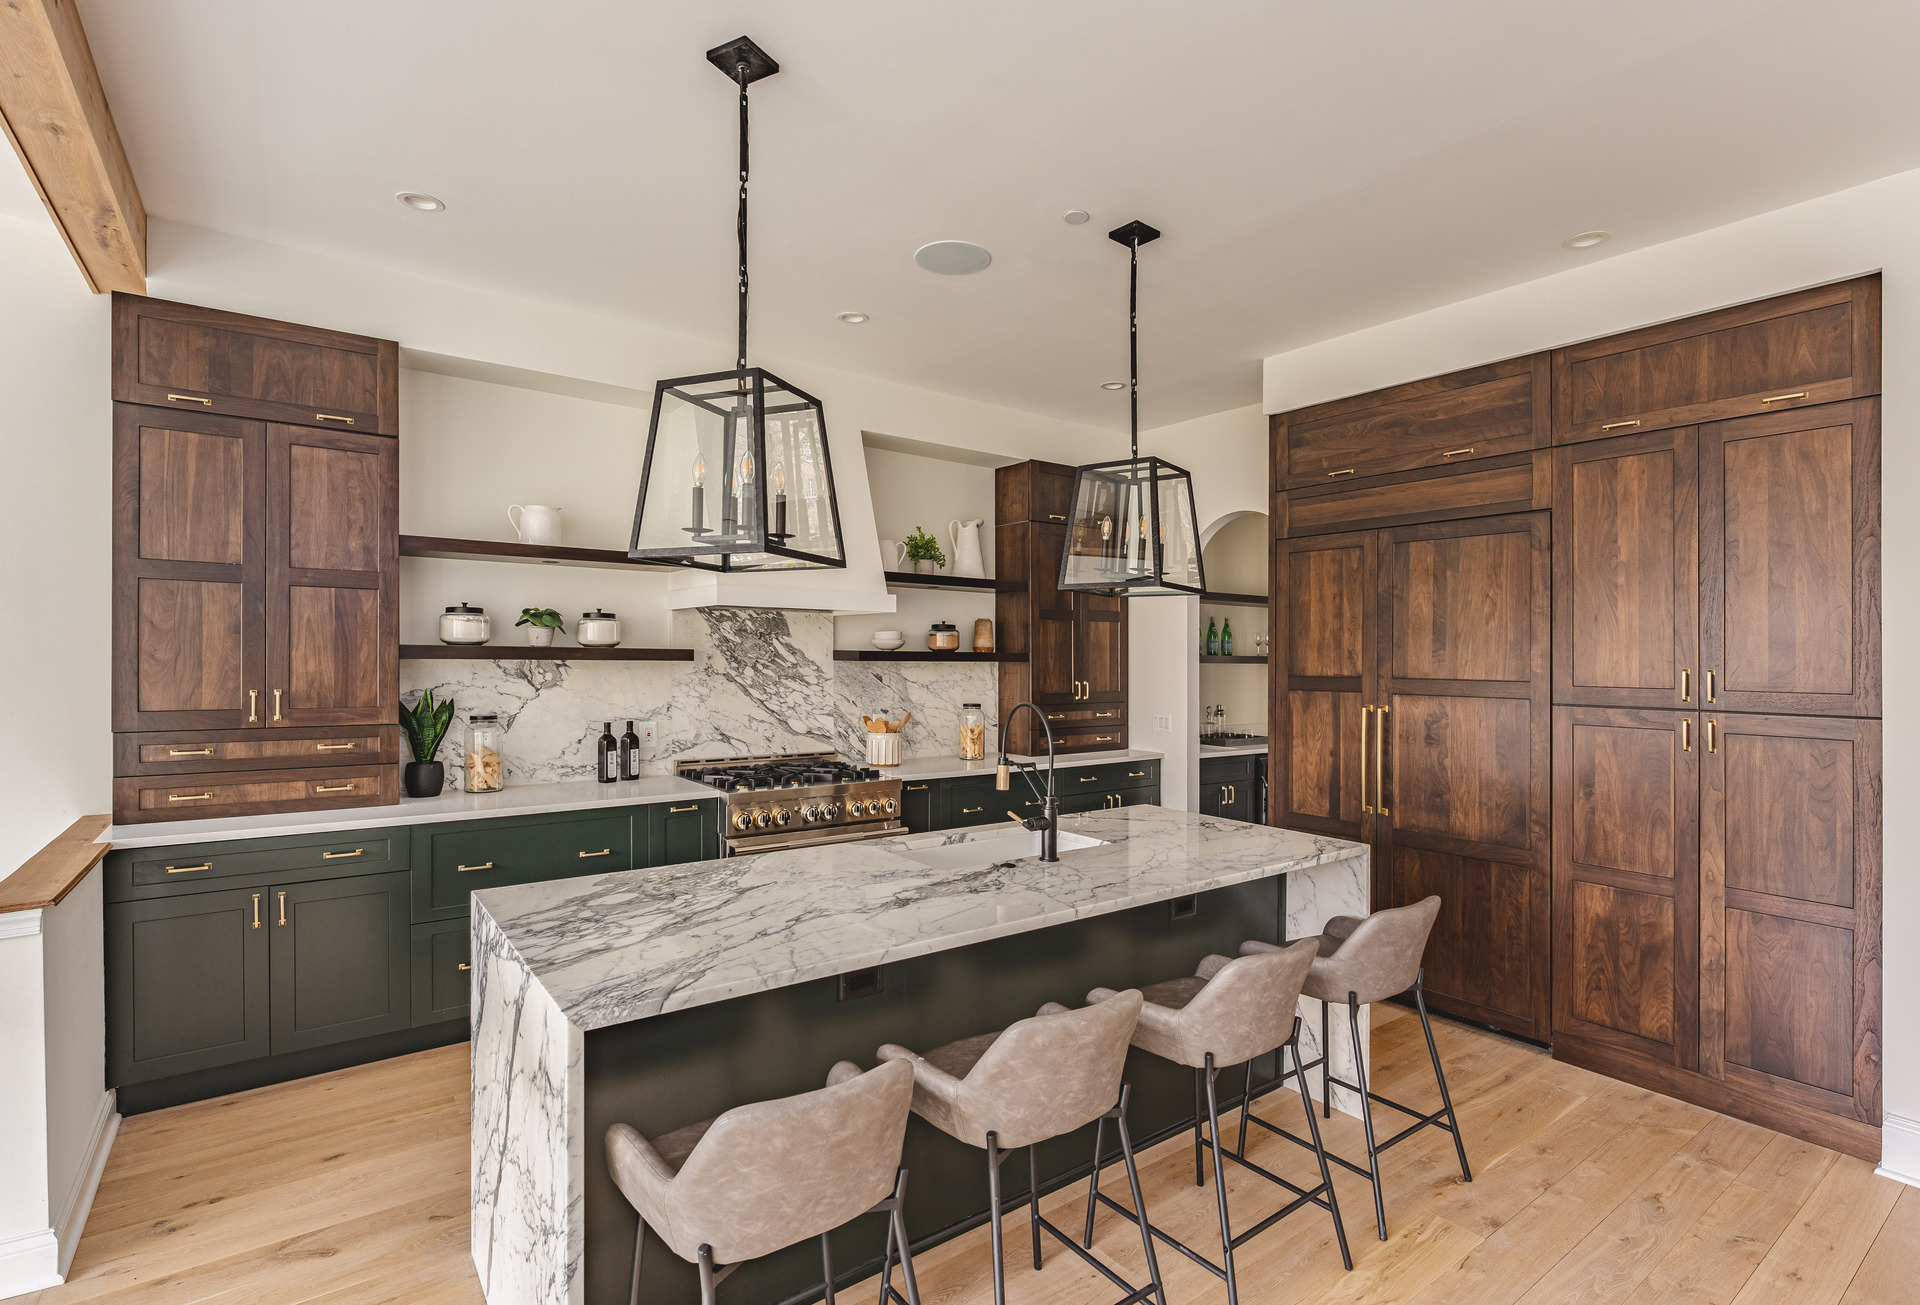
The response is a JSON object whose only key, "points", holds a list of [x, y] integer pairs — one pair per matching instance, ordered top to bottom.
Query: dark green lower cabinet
{"points": [[1227, 787], [921, 807], [680, 832], [340, 961], [441, 970], [186, 983]]}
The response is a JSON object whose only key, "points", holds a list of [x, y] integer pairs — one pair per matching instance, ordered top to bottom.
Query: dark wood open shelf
{"points": [[499, 551], [911, 580], [1238, 600], [503, 652], [913, 655], [1237, 657]]}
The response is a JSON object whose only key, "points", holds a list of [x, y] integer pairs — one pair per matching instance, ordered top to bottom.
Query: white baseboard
{"points": [[1900, 1150], [71, 1218], [29, 1262]]}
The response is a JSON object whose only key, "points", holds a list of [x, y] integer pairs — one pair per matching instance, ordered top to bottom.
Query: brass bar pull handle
{"points": [[188, 398], [1782, 398], [327, 416], [1616, 425], [1454, 453], [1344, 471], [1055, 516], [1686, 685], [1709, 686], [276, 704], [253, 705], [1105, 715], [1366, 718], [1686, 735], [1106, 738], [1713, 743], [335, 747], [190, 752], [1380, 760], [1136, 774], [1088, 779], [334, 788], [911, 788], [1233, 792], [189, 797], [694, 807], [971, 811], [605, 851], [335, 856], [484, 865], [189, 869], [282, 895], [256, 910], [465, 966]]}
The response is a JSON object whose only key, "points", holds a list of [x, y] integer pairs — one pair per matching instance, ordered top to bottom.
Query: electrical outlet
{"points": [[1164, 724], [644, 728]]}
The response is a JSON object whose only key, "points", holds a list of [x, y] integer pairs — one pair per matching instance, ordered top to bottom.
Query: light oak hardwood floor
{"points": [[351, 1189]]}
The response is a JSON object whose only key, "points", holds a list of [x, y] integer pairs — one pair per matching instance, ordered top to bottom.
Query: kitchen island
{"points": [[663, 996]]}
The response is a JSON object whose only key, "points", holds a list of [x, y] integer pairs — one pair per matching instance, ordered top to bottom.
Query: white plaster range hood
{"points": [[796, 591]]}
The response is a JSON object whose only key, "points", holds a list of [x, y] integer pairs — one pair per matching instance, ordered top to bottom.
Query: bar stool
{"points": [[1362, 961], [1229, 1011], [1035, 1080], [762, 1177]]}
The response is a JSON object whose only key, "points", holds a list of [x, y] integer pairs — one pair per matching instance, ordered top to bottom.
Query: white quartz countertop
{"points": [[1232, 749], [919, 768], [523, 800], [617, 947]]}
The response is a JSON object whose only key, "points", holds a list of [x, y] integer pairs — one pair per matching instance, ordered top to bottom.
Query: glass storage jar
{"points": [[465, 624], [943, 636], [973, 732], [486, 772]]}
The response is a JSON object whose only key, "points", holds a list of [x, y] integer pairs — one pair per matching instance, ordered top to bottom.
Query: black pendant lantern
{"points": [[737, 476], [1133, 531]]}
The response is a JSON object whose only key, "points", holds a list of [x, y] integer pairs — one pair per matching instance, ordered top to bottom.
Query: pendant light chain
{"points": [[741, 73], [1133, 342]]}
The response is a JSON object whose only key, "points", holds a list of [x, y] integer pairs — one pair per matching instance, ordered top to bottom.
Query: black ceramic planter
{"points": [[424, 778]]}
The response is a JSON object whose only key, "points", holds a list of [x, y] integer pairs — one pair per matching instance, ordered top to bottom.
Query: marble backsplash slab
{"points": [[761, 681]]}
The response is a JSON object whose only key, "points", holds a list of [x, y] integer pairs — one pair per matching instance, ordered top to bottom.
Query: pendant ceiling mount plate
{"points": [[728, 58], [1134, 231]]}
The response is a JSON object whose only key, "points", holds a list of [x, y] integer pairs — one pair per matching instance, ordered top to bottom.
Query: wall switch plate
{"points": [[1164, 724]]}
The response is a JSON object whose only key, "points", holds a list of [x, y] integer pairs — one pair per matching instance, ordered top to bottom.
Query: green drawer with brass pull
{"points": [[456, 859], [184, 867]]}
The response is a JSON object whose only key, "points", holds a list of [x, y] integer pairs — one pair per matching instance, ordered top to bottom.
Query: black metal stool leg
{"points": [[1326, 1067], [1446, 1100], [1246, 1105], [1366, 1114], [1319, 1147], [1199, 1172], [1220, 1185], [1093, 1187], [1033, 1200], [993, 1202], [1139, 1202], [896, 1209], [639, 1242], [826, 1269], [708, 1281]]}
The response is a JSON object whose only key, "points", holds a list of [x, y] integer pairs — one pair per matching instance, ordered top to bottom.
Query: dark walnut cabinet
{"points": [[256, 592], [1074, 644]]}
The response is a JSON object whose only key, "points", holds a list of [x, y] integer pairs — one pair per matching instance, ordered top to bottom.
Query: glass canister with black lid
{"points": [[486, 772]]}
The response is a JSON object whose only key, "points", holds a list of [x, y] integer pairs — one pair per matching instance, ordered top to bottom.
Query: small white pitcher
{"points": [[535, 524]]}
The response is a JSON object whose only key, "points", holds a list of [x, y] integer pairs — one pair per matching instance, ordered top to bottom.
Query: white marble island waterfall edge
{"points": [[553, 961]]}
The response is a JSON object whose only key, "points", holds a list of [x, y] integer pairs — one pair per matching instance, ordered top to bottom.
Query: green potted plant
{"points": [[924, 551], [543, 621], [426, 724]]}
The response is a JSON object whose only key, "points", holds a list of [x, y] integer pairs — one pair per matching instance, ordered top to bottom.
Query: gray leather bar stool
{"points": [[1362, 961], [1229, 1011], [1035, 1080], [763, 1177]]}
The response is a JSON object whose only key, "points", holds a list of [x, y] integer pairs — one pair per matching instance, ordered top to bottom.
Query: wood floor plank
{"points": [[1816, 1257], [1891, 1272]]}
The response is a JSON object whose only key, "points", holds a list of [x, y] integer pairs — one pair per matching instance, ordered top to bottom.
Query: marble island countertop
{"points": [[611, 948]]}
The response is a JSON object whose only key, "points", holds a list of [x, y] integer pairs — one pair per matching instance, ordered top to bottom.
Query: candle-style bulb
{"points": [[746, 467], [699, 470], [779, 478]]}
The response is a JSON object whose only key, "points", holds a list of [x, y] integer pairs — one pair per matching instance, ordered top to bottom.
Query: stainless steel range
{"points": [[798, 801]]}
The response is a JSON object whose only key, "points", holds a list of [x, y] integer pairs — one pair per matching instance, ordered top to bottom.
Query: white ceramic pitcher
{"points": [[535, 524], [966, 548]]}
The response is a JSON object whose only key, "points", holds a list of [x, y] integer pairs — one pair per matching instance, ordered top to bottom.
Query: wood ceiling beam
{"points": [[55, 113]]}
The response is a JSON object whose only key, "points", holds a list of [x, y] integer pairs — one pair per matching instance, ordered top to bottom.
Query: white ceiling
{"points": [[1316, 167]]}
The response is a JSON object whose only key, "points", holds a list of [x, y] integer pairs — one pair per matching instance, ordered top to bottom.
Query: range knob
{"points": [[889, 806], [872, 807], [831, 811], [810, 813], [781, 815], [762, 818], [741, 820]]}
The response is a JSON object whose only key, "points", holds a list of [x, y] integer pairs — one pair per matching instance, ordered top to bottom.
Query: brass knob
{"points": [[890, 806], [781, 815], [762, 818], [741, 820]]}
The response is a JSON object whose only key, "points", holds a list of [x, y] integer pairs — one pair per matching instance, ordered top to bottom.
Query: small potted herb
{"points": [[924, 551], [543, 621], [426, 724]]}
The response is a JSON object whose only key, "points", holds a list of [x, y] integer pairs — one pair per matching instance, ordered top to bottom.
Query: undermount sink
{"points": [[987, 849]]}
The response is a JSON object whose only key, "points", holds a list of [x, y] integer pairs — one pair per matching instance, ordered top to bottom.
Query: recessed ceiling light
{"points": [[425, 203], [1075, 216], [1587, 239], [952, 257], [852, 319], [1113, 385]]}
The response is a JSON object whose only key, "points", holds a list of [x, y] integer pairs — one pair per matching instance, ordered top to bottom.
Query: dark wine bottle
{"points": [[629, 754], [609, 767]]}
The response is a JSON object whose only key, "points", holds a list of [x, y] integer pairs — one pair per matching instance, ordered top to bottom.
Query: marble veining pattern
{"points": [[762, 681]]}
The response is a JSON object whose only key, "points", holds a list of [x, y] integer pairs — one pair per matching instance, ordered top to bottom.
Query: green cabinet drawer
{"points": [[1108, 776], [974, 800], [368, 851], [452, 861], [339, 967], [441, 970], [186, 979]]}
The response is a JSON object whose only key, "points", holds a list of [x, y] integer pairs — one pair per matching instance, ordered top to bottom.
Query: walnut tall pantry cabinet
{"points": [[1588, 644]]}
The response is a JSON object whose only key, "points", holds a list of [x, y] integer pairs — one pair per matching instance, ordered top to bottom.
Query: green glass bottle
{"points": [[1213, 638], [1226, 639]]}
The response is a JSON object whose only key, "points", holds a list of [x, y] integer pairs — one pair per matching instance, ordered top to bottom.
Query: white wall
{"points": [[1868, 228], [910, 490], [1236, 562], [1163, 684]]}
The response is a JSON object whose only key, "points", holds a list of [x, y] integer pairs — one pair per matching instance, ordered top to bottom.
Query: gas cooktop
{"points": [[744, 774]]}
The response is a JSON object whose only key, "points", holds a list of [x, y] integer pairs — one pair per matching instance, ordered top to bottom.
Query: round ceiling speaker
{"points": [[952, 258]]}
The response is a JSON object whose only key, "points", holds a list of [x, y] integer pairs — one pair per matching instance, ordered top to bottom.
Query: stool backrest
{"points": [[1381, 957], [1247, 1007], [1050, 1074], [774, 1173]]}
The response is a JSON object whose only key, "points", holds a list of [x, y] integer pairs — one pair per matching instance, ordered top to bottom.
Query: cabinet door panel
{"points": [[1789, 556], [332, 577], [1626, 577], [1464, 609], [1055, 620], [189, 629], [1325, 629], [1101, 656], [1462, 769], [682, 831], [1790, 909], [1622, 959], [340, 960], [1480, 962], [442, 970], [186, 984]]}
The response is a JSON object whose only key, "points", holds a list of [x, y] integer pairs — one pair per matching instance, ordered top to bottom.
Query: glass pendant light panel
{"points": [[803, 517], [1132, 531]]}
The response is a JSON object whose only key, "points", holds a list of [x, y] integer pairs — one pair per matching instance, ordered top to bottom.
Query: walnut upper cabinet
{"points": [[1814, 346], [190, 358], [1437, 422]]}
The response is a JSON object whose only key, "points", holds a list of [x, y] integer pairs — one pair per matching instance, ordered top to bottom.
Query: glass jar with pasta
{"points": [[486, 773]]}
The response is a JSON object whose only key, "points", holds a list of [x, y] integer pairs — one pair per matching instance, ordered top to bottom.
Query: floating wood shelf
{"points": [[546, 554], [913, 580], [1236, 600], [502, 652], [912, 655], [1237, 657]]}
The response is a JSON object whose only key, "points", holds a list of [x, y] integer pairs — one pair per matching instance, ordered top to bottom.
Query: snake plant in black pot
{"points": [[426, 724]]}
